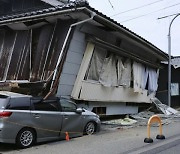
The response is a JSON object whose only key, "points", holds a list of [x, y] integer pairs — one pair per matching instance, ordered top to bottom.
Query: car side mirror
{"points": [[79, 110]]}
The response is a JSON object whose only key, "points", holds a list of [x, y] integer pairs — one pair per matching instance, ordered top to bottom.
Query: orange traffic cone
{"points": [[67, 136]]}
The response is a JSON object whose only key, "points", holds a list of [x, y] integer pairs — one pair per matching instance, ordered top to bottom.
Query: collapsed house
{"points": [[72, 50]]}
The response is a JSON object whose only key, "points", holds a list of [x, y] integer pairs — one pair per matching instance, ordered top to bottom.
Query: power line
{"points": [[111, 4], [136, 8], [151, 12], [167, 16]]}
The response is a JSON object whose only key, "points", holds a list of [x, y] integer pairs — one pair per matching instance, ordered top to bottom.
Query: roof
{"points": [[52, 2], [72, 7]]}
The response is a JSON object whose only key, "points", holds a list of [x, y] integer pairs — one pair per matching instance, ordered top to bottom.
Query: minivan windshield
{"points": [[3, 101]]}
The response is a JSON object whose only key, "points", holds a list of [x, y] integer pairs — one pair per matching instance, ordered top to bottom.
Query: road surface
{"points": [[109, 141]]}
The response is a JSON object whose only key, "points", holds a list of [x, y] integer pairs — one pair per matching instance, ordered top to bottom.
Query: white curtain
{"points": [[120, 68], [126, 74], [108, 75], [137, 76], [144, 78], [153, 80]]}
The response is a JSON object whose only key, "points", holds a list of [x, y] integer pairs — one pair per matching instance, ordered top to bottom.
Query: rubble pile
{"points": [[166, 114]]}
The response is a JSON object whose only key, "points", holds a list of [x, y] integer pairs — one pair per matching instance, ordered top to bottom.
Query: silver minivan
{"points": [[25, 120]]}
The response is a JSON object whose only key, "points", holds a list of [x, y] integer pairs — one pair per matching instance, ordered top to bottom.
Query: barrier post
{"points": [[151, 120]]}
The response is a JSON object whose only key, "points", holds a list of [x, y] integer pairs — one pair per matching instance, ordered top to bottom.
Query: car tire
{"points": [[90, 128], [25, 138]]}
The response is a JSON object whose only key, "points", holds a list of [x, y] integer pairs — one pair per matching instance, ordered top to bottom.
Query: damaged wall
{"points": [[14, 55], [31, 55], [72, 63], [88, 85]]}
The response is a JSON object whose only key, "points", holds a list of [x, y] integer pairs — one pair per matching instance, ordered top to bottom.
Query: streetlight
{"points": [[169, 60]]}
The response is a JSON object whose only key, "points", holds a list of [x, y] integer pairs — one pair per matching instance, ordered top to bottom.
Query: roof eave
{"points": [[98, 18], [162, 55]]}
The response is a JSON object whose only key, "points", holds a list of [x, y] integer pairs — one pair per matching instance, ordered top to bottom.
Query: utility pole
{"points": [[169, 54]]}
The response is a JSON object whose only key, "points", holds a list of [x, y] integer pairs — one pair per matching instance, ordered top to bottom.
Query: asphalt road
{"points": [[110, 141]]}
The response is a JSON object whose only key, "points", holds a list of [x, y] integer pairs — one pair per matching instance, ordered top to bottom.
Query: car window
{"points": [[3, 101], [19, 104], [47, 105], [67, 106]]}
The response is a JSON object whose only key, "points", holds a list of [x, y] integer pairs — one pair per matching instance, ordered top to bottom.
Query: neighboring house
{"points": [[72, 50], [162, 92]]}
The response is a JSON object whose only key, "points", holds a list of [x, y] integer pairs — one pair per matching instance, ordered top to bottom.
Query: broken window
{"points": [[96, 63], [109, 69], [125, 72], [108, 75]]}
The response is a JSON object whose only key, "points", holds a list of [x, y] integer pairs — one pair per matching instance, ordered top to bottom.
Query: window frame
{"points": [[70, 102], [57, 106]]}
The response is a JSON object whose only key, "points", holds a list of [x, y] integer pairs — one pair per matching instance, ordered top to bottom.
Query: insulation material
{"points": [[96, 64], [108, 76]]}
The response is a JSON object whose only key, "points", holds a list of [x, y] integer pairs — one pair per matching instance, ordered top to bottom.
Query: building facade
{"points": [[72, 50]]}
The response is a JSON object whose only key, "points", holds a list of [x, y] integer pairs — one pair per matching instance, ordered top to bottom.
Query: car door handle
{"points": [[36, 115], [65, 117]]}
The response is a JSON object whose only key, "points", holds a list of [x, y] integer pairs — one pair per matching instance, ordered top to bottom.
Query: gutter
{"points": [[55, 82]]}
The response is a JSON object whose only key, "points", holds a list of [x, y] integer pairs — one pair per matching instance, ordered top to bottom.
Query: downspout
{"points": [[54, 84]]}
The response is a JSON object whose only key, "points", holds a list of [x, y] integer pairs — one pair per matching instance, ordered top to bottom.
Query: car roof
{"points": [[12, 94]]}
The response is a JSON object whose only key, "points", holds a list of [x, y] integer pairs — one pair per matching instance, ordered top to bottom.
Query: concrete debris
{"points": [[163, 108], [166, 114], [143, 117], [120, 122]]}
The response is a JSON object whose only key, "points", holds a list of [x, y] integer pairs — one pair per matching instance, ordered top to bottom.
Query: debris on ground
{"points": [[167, 110], [166, 113], [120, 122]]}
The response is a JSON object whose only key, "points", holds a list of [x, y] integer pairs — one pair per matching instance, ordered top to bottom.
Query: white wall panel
{"points": [[72, 63], [96, 92]]}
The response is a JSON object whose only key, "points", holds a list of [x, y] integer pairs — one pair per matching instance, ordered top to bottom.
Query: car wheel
{"points": [[90, 128], [25, 138]]}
